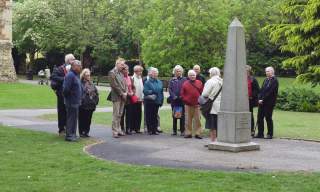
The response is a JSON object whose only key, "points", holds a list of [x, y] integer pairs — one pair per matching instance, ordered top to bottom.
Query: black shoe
{"points": [[159, 131], [138, 132], [128, 133], [155, 133], [174, 134], [182, 134], [82, 135], [188, 136], [197, 137], [258, 137], [268, 137], [71, 139]]}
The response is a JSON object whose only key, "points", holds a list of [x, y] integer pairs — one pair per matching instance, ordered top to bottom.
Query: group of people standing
{"points": [[127, 95], [77, 98]]}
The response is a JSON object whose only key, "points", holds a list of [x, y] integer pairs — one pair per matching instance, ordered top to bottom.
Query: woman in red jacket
{"points": [[190, 92]]}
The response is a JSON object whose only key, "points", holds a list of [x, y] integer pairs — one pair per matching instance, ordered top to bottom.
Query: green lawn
{"points": [[285, 82], [19, 95], [286, 124], [37, 161]]}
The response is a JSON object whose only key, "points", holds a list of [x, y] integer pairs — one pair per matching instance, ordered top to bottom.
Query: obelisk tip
{"points": [[236, 23]]}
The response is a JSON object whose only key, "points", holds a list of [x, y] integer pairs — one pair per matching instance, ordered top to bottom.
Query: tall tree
{"points": [[186, 33], [299, 34]]}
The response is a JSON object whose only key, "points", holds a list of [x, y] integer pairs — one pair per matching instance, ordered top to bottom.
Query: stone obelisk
{"points": [[7, 71], [234, 116]]}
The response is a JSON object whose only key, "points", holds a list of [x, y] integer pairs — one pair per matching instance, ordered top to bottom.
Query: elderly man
{"points": [[199, 77], [57, 78], [72, 92], [190, 92], [118, 96], [267, 100]]}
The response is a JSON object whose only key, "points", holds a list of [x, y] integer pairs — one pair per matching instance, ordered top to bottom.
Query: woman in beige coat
{"points": [[211, 89]]}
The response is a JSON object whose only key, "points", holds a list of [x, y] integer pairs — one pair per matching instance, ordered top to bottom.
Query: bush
{"points": [[297, 99]]}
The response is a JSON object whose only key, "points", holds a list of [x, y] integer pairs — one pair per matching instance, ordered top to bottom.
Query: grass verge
{"points": [[27, 96], [37, 161]]}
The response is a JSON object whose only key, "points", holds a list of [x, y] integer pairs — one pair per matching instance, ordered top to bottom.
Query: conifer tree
{"points": [[298, 35]]}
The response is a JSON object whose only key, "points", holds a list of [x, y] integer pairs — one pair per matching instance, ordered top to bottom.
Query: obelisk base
{"points": [[7, 70], [233, 147]]}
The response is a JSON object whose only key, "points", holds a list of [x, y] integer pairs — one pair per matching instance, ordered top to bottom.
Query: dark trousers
{"points": [[265, 111], [62, 113], [136, 115], [85, 116], [151, 117], [252, 118], [126, 119], [72, 121], [175, 121]]}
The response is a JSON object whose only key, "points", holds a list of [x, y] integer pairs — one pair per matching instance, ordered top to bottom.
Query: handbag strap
{"points": [[195, 87], [217, 94]]}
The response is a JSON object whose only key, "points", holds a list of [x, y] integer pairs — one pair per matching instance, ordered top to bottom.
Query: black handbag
{"points": [[206, 106]]}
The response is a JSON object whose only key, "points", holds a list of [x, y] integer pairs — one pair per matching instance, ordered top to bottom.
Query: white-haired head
{"points": [[69, 58], [76, 62], [76, 66], [137, 68], [149, 70], [178, 70], [214, 71], [269, 71], [153, 72], [192, 74]]}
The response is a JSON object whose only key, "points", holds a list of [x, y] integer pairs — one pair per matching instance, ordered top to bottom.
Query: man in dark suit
{"points": [[57, 78], [267, 100]]}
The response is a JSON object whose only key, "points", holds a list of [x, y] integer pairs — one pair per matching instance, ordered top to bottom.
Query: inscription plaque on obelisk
{"points": [[7, 71], [234, 116]]}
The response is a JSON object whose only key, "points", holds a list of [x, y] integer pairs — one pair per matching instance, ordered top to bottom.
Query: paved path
{"points": [[165, 150]]}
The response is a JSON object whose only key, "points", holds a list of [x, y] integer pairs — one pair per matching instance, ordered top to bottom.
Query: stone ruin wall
{"points": [[7, 71]]}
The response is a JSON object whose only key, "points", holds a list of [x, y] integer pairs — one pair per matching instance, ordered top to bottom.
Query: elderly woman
{"points": [[175, 85], [212, 90], [190, 92], [153, 99], [89, 101], [137, 107], [127, 111]]}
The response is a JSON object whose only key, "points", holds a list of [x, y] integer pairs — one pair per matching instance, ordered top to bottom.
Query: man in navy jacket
{"points": [[57, 78], [72, 99], [267, 100]]}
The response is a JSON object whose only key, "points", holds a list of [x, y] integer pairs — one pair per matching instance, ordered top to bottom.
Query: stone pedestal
{"points": [[234, 118]]}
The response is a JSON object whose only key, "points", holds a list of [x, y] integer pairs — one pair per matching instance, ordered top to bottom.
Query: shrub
{"points": [[297, 99]]}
